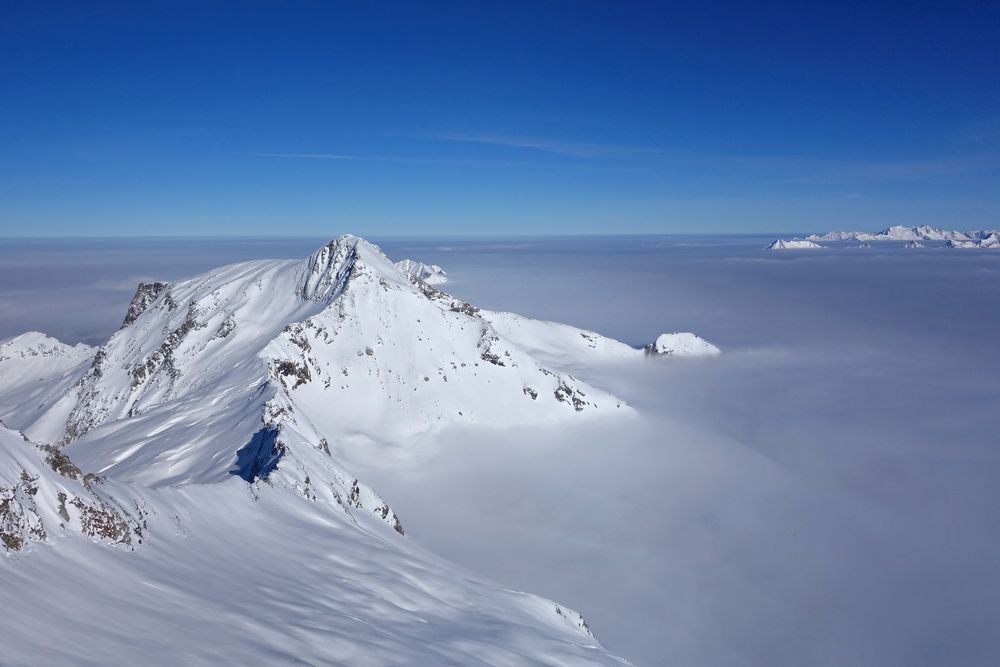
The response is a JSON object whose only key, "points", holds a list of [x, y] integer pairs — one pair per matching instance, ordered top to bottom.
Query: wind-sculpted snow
{"points": [[228, 577]]}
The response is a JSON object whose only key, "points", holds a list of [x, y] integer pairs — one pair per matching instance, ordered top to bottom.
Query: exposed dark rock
{"points": [[144, 296], [288, 368]]}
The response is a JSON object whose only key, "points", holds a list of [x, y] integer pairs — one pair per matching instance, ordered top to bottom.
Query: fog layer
{"points": [[824, 493]]}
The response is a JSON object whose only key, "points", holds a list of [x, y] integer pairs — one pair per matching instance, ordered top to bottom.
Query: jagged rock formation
{"points": [[43, 493]]}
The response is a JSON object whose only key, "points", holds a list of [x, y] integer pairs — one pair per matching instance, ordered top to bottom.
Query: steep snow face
{"points": [[794, 244], [432, 274], [682, 344], [37, 378]]}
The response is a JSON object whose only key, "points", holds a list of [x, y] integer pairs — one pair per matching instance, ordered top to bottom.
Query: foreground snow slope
{"points": [[206, 436], [223, 575]]}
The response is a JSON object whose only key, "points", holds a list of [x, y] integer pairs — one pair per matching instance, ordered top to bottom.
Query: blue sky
{"points": [[466, 118]]}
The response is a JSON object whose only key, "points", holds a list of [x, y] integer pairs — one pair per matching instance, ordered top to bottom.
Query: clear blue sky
{"points": [[292, 117]]}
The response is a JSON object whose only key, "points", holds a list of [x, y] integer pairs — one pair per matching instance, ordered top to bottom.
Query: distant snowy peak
{"points": [[901, 233], [836, 236], [991, 240], [793, 244], [914, 244], [432, 274], [35, 344], [682, 344], [38, 376]]}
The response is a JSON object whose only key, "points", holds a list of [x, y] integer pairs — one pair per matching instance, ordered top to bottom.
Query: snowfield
{"points": [[187, 474]]}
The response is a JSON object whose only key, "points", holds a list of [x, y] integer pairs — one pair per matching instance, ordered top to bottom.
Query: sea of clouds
{"points": [[825, 493]]}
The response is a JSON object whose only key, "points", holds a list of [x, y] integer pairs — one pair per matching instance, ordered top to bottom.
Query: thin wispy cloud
{"points": [[568, 149], [313, 156], [446, 161]]}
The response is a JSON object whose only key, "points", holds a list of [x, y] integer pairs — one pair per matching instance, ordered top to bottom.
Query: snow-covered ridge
{"points": [[902, 233], [991, 240], [794, 244], [432, 274]]}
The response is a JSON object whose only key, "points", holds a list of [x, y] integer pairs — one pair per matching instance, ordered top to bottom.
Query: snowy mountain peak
{"points": [[794, 244], [326, 271], [432, 274], [37, 344], [682, 344]]}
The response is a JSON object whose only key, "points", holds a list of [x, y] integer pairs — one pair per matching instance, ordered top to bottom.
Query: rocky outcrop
{"points": [[144, 296]]}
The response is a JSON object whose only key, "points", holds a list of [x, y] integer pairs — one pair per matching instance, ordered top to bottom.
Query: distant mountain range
{"points": [[901, 233], [913, 236]]}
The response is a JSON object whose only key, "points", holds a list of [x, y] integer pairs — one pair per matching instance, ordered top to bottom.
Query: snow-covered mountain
{"points": [[902, 233], [991, 240], [793, 244], [432, 274], [682, 344], [37, 373], [221, 409]]}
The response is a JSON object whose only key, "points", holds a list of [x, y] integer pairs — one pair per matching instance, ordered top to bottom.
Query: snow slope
{"points": [[214, 423], [230, 577]]}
